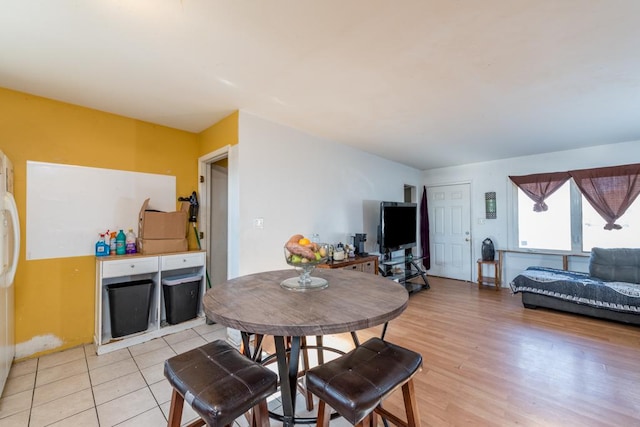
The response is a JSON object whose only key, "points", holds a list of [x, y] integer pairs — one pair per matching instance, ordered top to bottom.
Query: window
{"points": [[592, 207], [571, 223], [550, 229], [594, 234]]}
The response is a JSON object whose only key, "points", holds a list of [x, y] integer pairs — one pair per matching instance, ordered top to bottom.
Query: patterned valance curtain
{"points": [[540, 186], [609, 190]]}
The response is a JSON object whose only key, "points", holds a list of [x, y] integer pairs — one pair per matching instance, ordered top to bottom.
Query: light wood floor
{"points": [[489, 361]]}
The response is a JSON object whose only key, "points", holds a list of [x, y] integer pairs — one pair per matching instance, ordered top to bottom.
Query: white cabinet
{"points": [[180, 261], [129, 267], [154, 268]]}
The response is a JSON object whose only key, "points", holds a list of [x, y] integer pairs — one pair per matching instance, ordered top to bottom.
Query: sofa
{"points": [[611, 289]]}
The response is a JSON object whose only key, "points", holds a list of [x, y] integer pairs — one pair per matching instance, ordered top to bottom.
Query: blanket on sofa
{"points": [[580, 288]]}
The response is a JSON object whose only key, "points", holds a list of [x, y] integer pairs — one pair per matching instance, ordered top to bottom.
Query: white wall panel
{"points": [[299, 183]]}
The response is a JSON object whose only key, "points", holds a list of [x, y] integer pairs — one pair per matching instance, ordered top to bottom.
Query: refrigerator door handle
{"points": [[10, 204]]}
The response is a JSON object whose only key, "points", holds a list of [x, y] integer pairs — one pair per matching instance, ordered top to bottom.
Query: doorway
{"points": [[409, 193], [214, 213], [218, 220], [450, 231]]}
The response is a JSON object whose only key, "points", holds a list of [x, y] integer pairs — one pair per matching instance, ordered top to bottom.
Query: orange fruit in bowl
{"points": [[304, 241]]}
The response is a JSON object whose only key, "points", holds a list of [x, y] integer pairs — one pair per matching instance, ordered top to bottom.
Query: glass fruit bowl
{"points": [[304, 266]]}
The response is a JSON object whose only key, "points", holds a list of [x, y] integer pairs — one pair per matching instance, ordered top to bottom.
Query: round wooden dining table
{"points": [[257, 304]]}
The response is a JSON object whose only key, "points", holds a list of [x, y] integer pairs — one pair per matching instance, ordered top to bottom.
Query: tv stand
{"points": [[390, 268]]}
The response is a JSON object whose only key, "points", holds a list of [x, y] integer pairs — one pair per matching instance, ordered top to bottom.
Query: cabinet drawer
{"points": [[174, 262], [128, 267], [356, 267], [369, 267]]}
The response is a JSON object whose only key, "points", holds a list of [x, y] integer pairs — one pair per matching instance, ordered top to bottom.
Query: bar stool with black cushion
{"points": [[357, 382], [220, 384]]}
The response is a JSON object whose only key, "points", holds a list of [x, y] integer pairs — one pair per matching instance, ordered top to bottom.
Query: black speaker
{"points": [[488, 251]]}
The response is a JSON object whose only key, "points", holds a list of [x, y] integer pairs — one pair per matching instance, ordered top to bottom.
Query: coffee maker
{"points": [[358, 243]]}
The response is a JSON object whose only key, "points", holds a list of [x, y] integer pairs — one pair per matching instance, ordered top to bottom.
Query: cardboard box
{"points": [[163, 225], [160, 246]]}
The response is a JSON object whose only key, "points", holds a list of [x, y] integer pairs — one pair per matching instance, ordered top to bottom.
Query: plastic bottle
{"points": [[121, 242], [130, 242], [112, 243], [102, 249]]}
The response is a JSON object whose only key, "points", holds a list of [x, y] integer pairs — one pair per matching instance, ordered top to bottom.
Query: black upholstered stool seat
{"points": [[218, 382], [354, 384]]}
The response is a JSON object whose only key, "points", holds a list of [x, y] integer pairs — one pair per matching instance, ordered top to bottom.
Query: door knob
{"points": [[467, 239]]}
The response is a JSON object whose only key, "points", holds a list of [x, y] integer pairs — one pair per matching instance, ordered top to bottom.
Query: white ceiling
{"points": [[428, 83]]}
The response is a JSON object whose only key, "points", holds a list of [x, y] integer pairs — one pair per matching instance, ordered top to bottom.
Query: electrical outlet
{"points": [[481, 221], [258, 223]]}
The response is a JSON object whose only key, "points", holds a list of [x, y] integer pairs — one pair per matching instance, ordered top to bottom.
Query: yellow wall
{"points": [[225, 132], [55, 297]]}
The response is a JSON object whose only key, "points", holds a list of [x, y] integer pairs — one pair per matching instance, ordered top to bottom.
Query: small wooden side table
{"points": [[495, 280]]}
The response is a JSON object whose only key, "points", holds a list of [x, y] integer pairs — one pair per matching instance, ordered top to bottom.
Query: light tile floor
{"points": [[126, 387]]}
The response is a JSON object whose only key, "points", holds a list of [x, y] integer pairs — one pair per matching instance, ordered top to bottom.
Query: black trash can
{"points": [[181, 297], [129, 304]]}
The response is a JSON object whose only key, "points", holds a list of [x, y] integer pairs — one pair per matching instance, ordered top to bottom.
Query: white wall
{"points": [[494, 176], [299, 183]]}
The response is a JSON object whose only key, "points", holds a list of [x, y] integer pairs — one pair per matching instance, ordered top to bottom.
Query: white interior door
{"points": [[450, 231]]}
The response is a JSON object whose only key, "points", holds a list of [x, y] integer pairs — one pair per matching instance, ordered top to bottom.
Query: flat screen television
{"points": [[398, 224]]}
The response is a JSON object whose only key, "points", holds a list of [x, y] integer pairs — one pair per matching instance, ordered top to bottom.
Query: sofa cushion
{"points": [[615, 265]]}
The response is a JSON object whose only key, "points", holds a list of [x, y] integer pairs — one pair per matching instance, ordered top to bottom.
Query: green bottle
{"points": [[121, 243]]}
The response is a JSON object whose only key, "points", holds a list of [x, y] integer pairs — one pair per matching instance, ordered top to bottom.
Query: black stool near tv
{"points": [[397, 232]]}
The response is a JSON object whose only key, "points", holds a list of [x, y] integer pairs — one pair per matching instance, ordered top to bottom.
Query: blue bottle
{"points": [[102, 249]]}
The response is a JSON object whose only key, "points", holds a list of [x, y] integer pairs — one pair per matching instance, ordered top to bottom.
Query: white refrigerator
{"points": [[9, 251]]}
